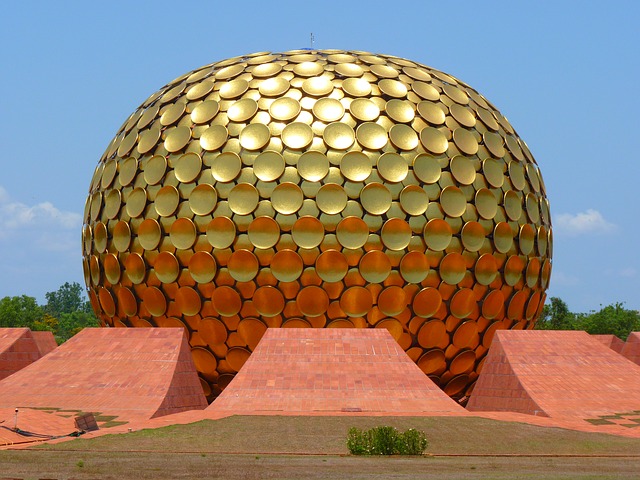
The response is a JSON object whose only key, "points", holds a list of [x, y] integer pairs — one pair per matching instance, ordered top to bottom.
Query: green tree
{"points": [[68, 298], [22, 311], [556, 316], [612, 319], [71, 323]]}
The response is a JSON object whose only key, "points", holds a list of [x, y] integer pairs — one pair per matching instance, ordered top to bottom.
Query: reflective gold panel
{"points": [[313, 189]]}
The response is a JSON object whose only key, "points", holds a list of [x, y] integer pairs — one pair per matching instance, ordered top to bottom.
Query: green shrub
{"points": [[385, 440]]}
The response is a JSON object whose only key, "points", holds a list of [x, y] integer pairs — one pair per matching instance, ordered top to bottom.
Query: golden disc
{"points": [[349, 70], [318, 86], [356, 87], [393, 88], [200, 89], [233, 89], [426, 91], [284, 109], [242, 110], [328, 110], [364, 110], [205, 111], [431, 112], [172, 114], [463, 115], [297, 135], [339, 135], [254, 136], [371, 136], [403, 137], [177, 138], [434, 140], [465, 141], [494, 144], [268, 166], [313, 166], [355, 166], [188, 167], [226, 167], [392, 167], [427, 168], [154, 169], [462, 170], [128, 171], [493, 172], [516, 175], [286, 198], [331, 198], [376, 198], [203, 199], [243, 199], [167, 200], [414, 200], [453, 201], [136, 202], [486, 203], [513, 205], [221, 232], [264, 232], [307, 232], [183, 233], [149, 234], [396, 234], [437, 234], [121, 236], [473, 236], [100, 237], [526, 239], [243, 265], [286, 266], [331, 266], [375, 266], [166, 267], [202, 267], [414, 267], [111, 268], [135, 268], [452, 268], [486, 269], [513, 270], [533, 272], [154, 301], [226, 301], [268, 301], [312, 301], [356, 301], [392, 301], [106, 302], [127, 302], [462, 303], [492, 305], [515, 310], [251, 330], [213, 331], [431, 333], [432, 362]]}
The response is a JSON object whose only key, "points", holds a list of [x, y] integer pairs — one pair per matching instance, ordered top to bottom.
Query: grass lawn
{"points": [[314, 447]]}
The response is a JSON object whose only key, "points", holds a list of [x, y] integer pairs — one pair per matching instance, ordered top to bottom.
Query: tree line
{"points": [[65, 313], [612, 319]]}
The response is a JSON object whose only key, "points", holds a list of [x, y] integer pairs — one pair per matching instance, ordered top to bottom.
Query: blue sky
{"points": [[564, 73]]}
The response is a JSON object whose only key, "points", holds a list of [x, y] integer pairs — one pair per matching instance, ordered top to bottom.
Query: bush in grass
{"points": [[386, 440]]}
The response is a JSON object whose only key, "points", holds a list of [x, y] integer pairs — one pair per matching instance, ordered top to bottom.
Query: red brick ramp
{"points": [[45, 341], [611, 341], [18, 349], [631, 349], [331, 371], [130, 373], [557, 374], [33, 426]]}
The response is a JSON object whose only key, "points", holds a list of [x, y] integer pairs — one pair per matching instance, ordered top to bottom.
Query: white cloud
{"points": [[17, 215], [590, 221]]}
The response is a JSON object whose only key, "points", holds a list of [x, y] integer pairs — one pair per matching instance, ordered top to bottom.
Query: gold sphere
{"points": [[323, 189]]}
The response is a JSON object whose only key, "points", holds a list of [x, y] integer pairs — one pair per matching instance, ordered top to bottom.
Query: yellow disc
{"points": [[317, 86], [273, 87], [356, 87], [393, 88], [200, 89], [233, 89], [426, 91], [455, 94], [284, 109], [364, 109], [242, 110], [328, 110], [205, 111], [400, 111], [431, 112], [172, 114], [463, 115], [297, 135], [339, 135], [254, 136], [371, 136], [214, 137], [403, 137], [177, 138], [148, 140], [434, 140], [127, 143], [494, 143], [268, 166], [313, 166], [355, 166], [188, 167], [226, 167], [392, 167], [427, 168], [154, 169], [462, 170], [128, 171], [493, 172], [516, 174], [287, 198], [331, 198], [376, 198], [203, 199], [243, 199], [167, 200], [414, 200], [453, 201], [136, 202], [486, 203], [112, 204], [513, 205], [533, 210], [221, 232], [264, 232], [307, 232], [183, 233], [149, 234], [396, 234], [437, 234], [121, 236], [473, 236], [502, 237], [526, 239], [243, 265], [286, 266], [331, 266], [375, 266], [166, 267], [202, 267], [414, 267], [112, 268], [135, 268], [452, 268], [513, 270], [533, 272], [154, 300], [127, 301], [188, 301], [226, 301], [268, 301], [312, 301], [356, 301], [392, 301], [106, 302], [462, 303], [492, 305], [515, 310], [251, 330], [213, 331], [431, 334], [203, 360], [433, 362]]}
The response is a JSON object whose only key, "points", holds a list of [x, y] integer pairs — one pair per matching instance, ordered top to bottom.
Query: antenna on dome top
{"points": [[312, 40]]}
